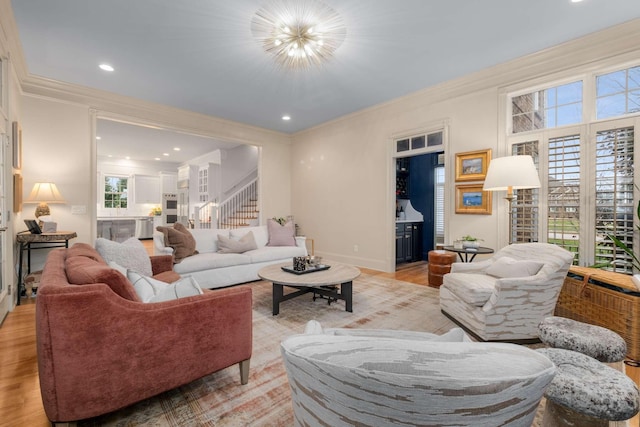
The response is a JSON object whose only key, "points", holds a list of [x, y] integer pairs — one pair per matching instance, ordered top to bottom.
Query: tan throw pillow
{"points": [[281, 235], [180, 239], [231, 246]]}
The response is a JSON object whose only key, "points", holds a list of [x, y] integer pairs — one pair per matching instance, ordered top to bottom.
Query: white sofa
{"points": [[214, 270]]}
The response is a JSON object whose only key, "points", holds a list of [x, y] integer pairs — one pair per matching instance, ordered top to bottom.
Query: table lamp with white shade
{"points": [[511, 173], [44, 193]]}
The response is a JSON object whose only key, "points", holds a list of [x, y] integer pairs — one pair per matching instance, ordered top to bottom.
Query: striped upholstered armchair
{"points": [[505, 297], [346, 377]]}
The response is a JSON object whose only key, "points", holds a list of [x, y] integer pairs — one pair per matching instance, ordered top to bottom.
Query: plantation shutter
{"points": [[526, 203], [614, 207]]}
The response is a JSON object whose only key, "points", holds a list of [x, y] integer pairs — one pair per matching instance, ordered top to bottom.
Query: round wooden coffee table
{"points": [[319, 282]]}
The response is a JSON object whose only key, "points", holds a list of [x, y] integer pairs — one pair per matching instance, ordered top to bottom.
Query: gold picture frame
{"points": [[17, 145], [472, 165], [17, 192], [471, 199]]}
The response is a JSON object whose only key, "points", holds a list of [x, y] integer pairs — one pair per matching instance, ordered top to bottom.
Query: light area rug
{"points": [[219, 399]]}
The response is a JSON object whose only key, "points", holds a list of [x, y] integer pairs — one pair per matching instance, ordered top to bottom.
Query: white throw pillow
{"points": [[232, 246], [130, 254], [118, 267], [508, 267], [185, 287], [153, 290]]}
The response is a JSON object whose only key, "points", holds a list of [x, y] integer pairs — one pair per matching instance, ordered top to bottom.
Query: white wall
{"points": [[56, 147], [237, 164], [343, 179]]}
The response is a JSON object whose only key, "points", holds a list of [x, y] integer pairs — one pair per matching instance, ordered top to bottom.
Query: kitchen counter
{"points": [[122, 218], [405, 221], [120, 228]]}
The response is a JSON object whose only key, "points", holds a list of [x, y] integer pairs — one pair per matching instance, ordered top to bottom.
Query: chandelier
{"points": [[298, 33]]}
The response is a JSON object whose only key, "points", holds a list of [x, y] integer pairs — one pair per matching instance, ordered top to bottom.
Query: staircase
{"points": [[239, 210]]}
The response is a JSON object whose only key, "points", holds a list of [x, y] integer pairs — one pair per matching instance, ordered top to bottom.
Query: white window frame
{"points": [[587, 130], [101, 191]]}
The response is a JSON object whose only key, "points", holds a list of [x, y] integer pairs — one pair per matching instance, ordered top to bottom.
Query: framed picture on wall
{"points": [[17, 145], [472, 165], [17, 192], [470, 199]]}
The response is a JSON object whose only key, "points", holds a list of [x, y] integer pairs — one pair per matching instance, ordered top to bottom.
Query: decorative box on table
{"points": [[606, 299]]}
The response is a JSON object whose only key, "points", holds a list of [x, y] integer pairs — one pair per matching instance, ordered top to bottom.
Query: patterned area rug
{"points": [[219, 399]]}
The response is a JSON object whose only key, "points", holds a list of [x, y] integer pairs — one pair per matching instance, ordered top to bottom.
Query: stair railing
{"points": [[237, 211]]}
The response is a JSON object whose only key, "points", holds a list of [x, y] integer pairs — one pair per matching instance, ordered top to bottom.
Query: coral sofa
{"points": [[213, 269], [101, 349]]}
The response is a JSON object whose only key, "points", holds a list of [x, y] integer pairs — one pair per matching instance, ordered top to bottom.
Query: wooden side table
{"points": [[29, 242], [439, 264]]}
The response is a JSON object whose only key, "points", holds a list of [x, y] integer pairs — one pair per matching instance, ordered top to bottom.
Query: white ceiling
{"points": [[200, 55], [119, 140]]}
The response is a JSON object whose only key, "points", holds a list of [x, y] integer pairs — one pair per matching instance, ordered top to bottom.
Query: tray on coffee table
{"points": [[289, 269]]}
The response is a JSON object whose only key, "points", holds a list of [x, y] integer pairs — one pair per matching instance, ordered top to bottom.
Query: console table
{"points": [[29, 242]]}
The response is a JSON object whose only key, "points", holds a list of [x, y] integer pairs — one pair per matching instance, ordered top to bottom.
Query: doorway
{"points": [[419, 205]]}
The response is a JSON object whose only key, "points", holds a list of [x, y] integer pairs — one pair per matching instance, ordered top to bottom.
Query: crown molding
{"points": [[587, 51], [124, 108]]}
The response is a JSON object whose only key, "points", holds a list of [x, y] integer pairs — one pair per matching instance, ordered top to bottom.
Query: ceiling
{"points": [[200, 55], [120, 141]]}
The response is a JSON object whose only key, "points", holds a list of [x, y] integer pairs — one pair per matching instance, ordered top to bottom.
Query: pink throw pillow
{"points": [[281, 235]]}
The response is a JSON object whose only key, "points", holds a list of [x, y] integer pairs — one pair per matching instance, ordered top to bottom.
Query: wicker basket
{"points": [[606, 299]]}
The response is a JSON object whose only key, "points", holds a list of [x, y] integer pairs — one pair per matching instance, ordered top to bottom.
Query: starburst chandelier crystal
{"points": [[298, 33]]}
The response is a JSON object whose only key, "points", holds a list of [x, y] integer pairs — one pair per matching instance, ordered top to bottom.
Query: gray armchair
{"points": [[505, 298]]}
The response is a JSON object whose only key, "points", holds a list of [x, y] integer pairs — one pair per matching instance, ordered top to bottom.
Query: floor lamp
{"points": [[511, 173]]}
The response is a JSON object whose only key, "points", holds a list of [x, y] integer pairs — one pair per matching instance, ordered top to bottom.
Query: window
{"points": [[618, 93], [548, 108], [422, 143], [589, 191], [115, 192], [563, 192], [525, 205], [614, 206]]}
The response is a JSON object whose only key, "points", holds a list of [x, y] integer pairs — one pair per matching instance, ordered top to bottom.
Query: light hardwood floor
{"points": [[20, 401]]}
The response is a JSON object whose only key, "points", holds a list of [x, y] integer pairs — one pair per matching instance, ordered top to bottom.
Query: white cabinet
{"points": [[209, 182], [168, 183], [146, 189]]}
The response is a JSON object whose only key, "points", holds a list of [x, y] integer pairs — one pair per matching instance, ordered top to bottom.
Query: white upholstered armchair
{"points": [[505, 297], [347, 377]]}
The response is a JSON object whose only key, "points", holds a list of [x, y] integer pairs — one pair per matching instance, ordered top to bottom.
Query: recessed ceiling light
{"points": [[576, 1], [106, 67], [285, 118], [98, 137], [176, 148], [165, 154], [128, 158], [156, 158]]}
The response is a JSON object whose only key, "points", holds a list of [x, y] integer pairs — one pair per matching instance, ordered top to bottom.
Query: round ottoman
{"points": [[439, 264], [595, 341], [586, 393]]}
